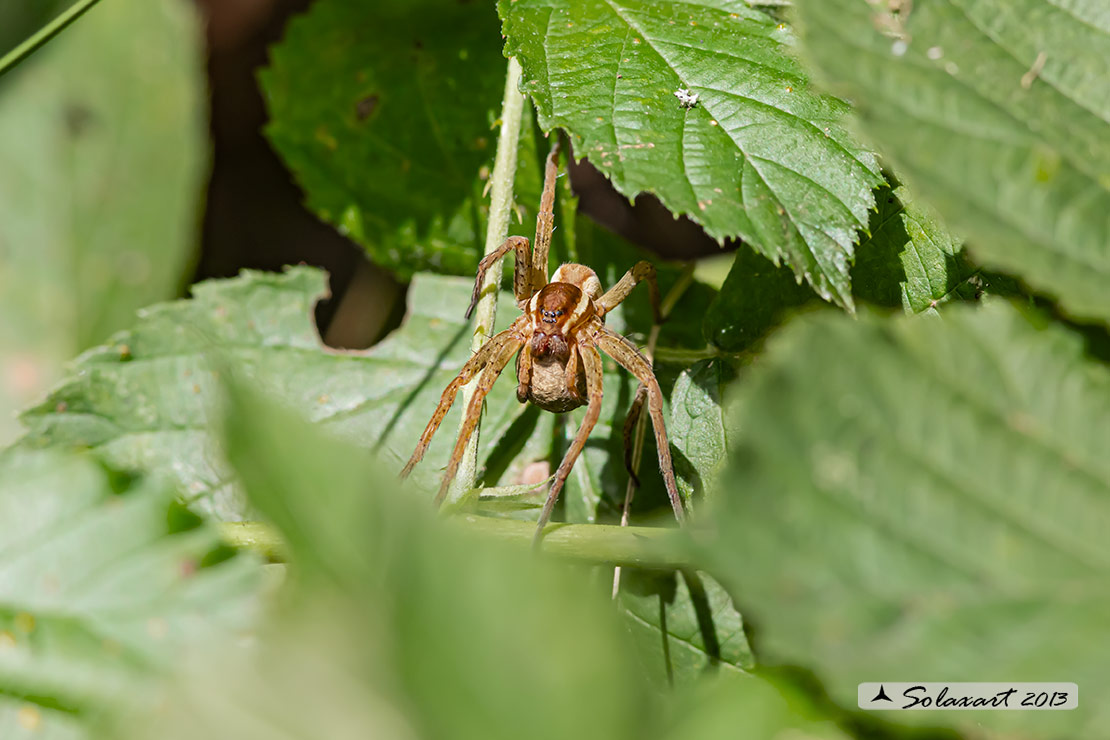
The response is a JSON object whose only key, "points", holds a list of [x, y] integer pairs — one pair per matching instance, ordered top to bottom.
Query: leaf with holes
{"points": [[702, 105], [383, 111], [998, 113], [145, 401], [925, 496], [105, 585]]}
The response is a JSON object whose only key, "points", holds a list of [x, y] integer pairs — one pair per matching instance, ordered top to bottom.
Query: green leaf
{"points": [[21, 18], [997, 112], [386, 130], [102, 152], [758, 156], [910, 260], [755, 298], [145, 400], [697, 426], [925, 498], [105, 584], [685, 625], [747, 707]]}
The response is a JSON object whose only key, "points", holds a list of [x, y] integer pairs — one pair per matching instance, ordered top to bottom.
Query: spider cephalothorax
{"points": [[556, 342]]}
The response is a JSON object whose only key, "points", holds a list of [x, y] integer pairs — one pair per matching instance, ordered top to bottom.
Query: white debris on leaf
{"points": [[686, 98]]}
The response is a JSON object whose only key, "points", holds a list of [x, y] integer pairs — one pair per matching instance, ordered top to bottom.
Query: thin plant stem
{"points": [[44, 34], [497, 228], [665, 309], [598, 544]]}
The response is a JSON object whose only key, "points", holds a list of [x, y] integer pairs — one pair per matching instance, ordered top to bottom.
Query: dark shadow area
{"points": [[704, 613]]}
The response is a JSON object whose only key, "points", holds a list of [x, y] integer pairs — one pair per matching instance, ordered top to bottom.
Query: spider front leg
{"points": [[545, 219], [522, 270], [640, 272], [621, 350], [476, 363], [496, 363], [591, 363]]}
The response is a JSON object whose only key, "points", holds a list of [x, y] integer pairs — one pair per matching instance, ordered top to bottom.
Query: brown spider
{"points": [[558, 367]]}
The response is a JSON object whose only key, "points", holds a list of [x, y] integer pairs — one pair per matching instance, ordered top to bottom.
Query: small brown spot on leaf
{"points": [[366, 107], [78, 118]]}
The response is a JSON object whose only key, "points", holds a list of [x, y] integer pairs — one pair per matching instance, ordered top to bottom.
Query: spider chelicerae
{"points": [[556, 342]]}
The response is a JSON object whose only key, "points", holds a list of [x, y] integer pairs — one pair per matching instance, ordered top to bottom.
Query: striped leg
{"points": [[545, 220], [522, 272], [640, 272], [621, 350], [498, 359], [591, 361], [476, 363]]}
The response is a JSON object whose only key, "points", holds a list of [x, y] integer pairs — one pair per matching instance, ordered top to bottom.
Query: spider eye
{"points": [[559, 312]]}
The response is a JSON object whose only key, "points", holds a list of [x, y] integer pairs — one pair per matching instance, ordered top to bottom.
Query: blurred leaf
{"points": [[19, 19], [383, 111], [998, 113], [102, 149], [758, 156], [910, 260], [755, 298], [144, 401], [926, 498], [104, 584], [685, 626], [415, 629], [747, 707]]}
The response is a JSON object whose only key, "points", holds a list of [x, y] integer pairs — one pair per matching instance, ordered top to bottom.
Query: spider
{"points": [[556, 342]]}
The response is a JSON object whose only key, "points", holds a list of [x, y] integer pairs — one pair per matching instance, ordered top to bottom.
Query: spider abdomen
{"points": [[548, 387]]}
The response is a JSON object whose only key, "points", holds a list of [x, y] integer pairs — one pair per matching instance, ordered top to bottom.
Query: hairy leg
{"points": [[545, 220], [522, 270], [640, 272], [621, 350], [591, 361], [476, 363], [496, 363], [523, 372], [570, 375], [630, 422]]}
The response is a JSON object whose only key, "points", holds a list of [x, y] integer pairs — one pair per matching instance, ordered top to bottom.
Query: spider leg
{"points": [[545, 219], [522, 272], [640, 272], [621, 350], [497, 361], [591, 361], [477, 362], [524, 372], [571, 372], [630, 421]]}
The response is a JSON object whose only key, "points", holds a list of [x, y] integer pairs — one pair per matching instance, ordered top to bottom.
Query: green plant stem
{"points": [[44, 34], [497, 228], [677, 356], [638, 547]]}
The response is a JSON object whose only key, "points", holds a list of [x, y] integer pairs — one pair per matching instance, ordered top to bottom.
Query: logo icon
{"points": [[881, 696]]}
